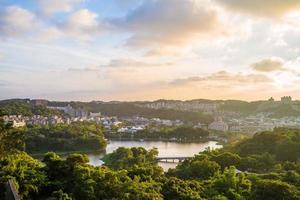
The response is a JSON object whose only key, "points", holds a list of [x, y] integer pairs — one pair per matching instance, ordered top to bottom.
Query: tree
{"points": [[11, 140], [124, 158], [226, 159], [198, 168], [25, 170], [231, 185], [178, 189], [274, 190], [59, 195]]}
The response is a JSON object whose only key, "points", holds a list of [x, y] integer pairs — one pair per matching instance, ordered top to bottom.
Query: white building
{"points": [[17, 124], [218, 125]]}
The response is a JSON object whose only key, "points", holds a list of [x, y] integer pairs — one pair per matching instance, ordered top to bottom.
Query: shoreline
{"points": [[165, 140], [64, 153]]}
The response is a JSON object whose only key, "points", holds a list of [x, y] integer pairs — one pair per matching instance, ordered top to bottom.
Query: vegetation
{"points": [[24, 107], [242, 107], [130, 109], [285, 110], [181, 133], [78, 136], [11, 140], [282, 143], [134, 173]]}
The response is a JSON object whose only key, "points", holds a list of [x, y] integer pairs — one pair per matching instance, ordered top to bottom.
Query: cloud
{"points": [[48, 7], [270, 8], [16, 21], [171, 22], [82, 24], [133, 63], [269, 65], [86, 69], [223, 78]]}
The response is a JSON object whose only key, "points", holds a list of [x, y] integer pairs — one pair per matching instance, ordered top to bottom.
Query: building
{"points": [[286, 99], [95, 114], [17, 124], [218, 125]]}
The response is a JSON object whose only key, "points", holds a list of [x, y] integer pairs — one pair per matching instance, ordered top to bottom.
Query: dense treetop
{"points": [[24, 107], [237, 172]]}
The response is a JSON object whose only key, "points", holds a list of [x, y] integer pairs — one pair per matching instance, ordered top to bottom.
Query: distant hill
{"points": [[25, 107], [120, 109], [131, 109], [276, 109]]}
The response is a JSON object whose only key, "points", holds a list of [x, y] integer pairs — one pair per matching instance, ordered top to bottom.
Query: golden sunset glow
{"points": [[146, 50]]}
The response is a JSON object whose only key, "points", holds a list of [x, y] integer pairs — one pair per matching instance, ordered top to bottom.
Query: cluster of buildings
{"points": [[195, 105], [72, 112], [20, 120], [224, 121], [261, 122], [136, 124], [250, 124], [121, 125], [218, 125]]}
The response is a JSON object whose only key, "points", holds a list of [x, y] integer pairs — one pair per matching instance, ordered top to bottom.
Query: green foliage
{"points": [[23, 107], [242, 107], [130, 109], [277, 109], [284, 110], [181, 133], [78, 136], [11, 140], [283, 143], [124, 158], [227, 159], [257, 163], [199, 167], [25, 170], [134, 174], [231, 185], [178, 189], [274, 190], [59, 195]]}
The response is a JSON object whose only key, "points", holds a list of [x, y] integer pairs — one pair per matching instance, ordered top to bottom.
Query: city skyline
{"points": [[131, 50]]}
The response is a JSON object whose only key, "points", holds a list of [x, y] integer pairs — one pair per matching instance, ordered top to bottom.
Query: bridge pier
{"points": [[172, 159]]}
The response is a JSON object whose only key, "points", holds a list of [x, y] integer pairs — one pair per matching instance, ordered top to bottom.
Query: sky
{"points": [[149, 49]]}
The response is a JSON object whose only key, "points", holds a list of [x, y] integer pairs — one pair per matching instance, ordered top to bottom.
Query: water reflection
{"points": [[166, 149]]}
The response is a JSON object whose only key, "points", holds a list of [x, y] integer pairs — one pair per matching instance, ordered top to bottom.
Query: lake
{"points": [[166, 149]]}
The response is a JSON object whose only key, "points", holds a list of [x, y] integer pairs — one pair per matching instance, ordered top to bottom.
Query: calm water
{"points": [[168, 149]]}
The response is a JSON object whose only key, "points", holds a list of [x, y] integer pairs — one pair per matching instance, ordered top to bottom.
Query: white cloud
{"points": [[48, 7], [16, 21], [172, 22], [82, 24]]}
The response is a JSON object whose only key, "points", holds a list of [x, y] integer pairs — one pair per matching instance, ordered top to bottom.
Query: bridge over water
{"points": [[172, 159]]}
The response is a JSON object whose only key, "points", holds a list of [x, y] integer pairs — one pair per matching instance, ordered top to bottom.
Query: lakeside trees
{"points": [[180, 133], [77, 136], [282, 143], [134, 174], [73, 178]]}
